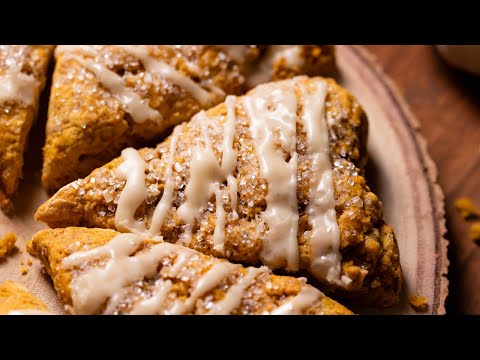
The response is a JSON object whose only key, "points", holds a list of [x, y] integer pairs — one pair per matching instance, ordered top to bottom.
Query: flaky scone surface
{"points": [[16, 118], [87, 126], [368, 247], [266, 293]]}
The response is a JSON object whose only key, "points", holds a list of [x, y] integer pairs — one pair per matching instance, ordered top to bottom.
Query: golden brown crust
{"points": [[318, 60], [16, 118], [87, 127], [467, 208], [7, 243], [52, 246], [368, 246], [14, 296], [418, 303]]}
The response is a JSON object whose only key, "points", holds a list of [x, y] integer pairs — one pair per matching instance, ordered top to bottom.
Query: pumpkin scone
{"points": [[23, 70], [107, 97], [270, 178], [98, 271], [15, 299]]}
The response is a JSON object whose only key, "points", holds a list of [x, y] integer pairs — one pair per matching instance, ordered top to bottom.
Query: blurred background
{"points": [[446, 102]]}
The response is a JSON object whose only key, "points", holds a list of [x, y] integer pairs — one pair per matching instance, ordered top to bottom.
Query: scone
{"points": [[23, 70], [106, 98], [271, 178], [98, 271], [15, 299]]}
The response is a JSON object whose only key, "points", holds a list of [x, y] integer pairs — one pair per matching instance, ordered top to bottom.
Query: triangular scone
{"points": [[23, 71], [105, 98], [268, 178], [98, 271], [15, 299]]}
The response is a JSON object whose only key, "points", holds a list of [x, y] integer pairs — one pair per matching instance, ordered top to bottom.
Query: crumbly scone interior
{"points": [[98, 271]]}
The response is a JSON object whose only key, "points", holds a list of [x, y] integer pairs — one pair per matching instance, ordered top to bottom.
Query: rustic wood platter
{"points": [[401, 172]]}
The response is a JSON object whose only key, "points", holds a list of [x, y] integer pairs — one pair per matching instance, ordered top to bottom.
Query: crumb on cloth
{"points": [[466, 208], [475, 232], [7, 243], [23, 270], [418, 303]]}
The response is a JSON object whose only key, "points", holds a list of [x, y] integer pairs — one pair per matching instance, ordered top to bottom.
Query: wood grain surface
{"points": [[447, 105]]}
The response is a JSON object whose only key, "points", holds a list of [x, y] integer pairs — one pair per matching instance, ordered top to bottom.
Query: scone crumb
{"points": [[466, 208], [475, 232], [7, 243], [29, 262], [23, 270], [418, 303]]}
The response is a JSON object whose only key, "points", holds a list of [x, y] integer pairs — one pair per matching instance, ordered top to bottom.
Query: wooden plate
{"points": [[401, 172]]}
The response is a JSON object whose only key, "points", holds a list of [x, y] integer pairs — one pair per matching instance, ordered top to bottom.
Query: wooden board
{"points": [[447, 105], [400, 171]]}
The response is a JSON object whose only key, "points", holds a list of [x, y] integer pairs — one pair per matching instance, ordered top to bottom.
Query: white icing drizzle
{"points": [[235, 52], [292, 54], [263, 70], [168, 72], [17, 86], [138, 108], [272, 110], [229, 157], [132, 170], [206, 175], [166, 201], [219, 233], [325, 234], [183, 258], [121, 265], [211, 279], [110, 283], [95, 286], [234, 295], [305, 299], [156, 303], [28, 312]]}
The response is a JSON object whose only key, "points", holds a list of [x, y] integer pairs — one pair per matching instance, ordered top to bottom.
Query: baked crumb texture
{"points": [[23, 70], [106, 98], [467, 208], [475, 232], [7, 243], [369, 267], [175, 280], [15, 297], [418, 303]]}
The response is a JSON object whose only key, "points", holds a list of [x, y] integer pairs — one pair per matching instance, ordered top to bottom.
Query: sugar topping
{"points": [[235, 52], [291, 55], [168, 72], [15, 85], [138, 108], [273, 111], [132, 170], [325, 234], [115, 278], [296, 305]]}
